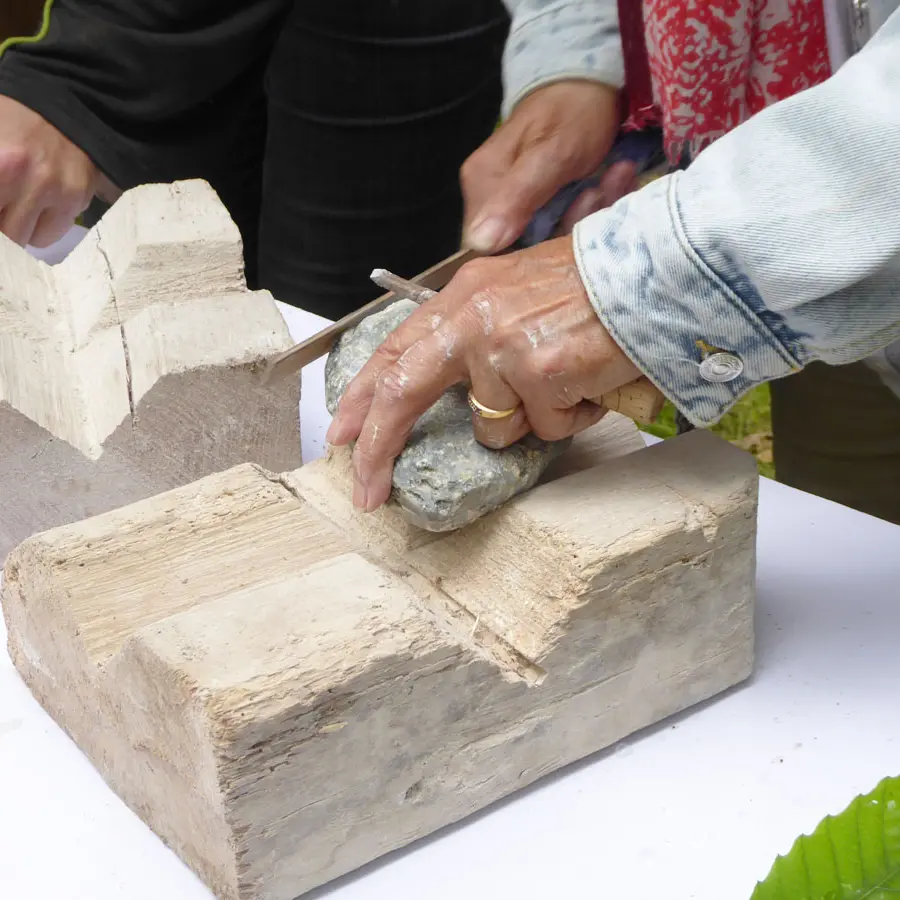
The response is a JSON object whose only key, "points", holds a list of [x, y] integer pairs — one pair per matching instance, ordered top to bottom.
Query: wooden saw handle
{"points": [[640, 401]]}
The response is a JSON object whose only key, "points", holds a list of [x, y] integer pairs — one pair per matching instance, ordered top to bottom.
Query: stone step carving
{"points": [[131, 367], [284, 689]]}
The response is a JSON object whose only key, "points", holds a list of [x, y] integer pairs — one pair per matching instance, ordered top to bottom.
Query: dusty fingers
{"points": [[518, 330], [428, 353], [401, 393], [359, 394], [498, 414]]}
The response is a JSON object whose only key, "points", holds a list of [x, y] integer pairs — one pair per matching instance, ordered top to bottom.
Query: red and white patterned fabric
{"points": [[699, 68]]}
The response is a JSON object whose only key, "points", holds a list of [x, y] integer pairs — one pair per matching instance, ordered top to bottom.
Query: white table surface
{"points": [[693, 809]]}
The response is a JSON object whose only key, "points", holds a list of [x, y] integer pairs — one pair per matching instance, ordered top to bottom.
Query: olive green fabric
{"points": [[837, 434]]}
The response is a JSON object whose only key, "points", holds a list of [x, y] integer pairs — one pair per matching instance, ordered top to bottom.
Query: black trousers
{"points": [[371, 106], [837, 434]]}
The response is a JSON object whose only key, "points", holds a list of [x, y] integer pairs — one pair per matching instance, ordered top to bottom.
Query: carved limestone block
{"points": [[130, 367], [285, 690]]}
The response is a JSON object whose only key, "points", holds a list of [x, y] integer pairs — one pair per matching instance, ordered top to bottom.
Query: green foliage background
{"points": [[748, 425]]}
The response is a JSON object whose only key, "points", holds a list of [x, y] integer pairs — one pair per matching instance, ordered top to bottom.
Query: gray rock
{"points": [[444, 478]]}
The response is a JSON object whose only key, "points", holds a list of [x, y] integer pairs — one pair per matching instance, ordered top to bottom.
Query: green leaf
{"points": [[851, 856]]}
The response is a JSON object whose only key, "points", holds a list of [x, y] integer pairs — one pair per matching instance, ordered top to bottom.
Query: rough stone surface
{"points": [[444, 479], [285, 689]]}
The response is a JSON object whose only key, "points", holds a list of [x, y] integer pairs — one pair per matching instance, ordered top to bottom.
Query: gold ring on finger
{"points": [[485, 412]]}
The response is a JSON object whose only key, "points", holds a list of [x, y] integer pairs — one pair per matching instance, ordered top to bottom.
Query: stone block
{"points": [[132, 366], [284, 689]]}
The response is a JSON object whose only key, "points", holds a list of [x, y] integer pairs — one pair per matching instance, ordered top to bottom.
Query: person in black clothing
{"points": [[333, 132]]}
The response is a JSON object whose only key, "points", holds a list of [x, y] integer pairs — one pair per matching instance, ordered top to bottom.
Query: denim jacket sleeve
{"points": [[554, 40], [780, 244]]}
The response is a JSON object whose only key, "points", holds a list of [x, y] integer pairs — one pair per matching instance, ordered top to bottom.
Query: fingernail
{"points": [[488, 235], [337, 432], [379, 490], [360, 496]]}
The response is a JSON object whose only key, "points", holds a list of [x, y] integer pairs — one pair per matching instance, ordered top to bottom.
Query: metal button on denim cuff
{"points": [[721, 367]]}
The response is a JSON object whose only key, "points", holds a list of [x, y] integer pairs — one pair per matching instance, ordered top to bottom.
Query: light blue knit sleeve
{"points": [[555, 40]]}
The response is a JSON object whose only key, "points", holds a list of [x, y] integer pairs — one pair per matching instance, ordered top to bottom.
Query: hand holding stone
{"points": [[519, 329]]}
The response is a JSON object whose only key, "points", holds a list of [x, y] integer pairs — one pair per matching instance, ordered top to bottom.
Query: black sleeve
{"points": [[155, 90]]}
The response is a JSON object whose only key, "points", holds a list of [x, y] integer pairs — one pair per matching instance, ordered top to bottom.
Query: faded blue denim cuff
{"points": [[561, 40], [667, 309]]}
